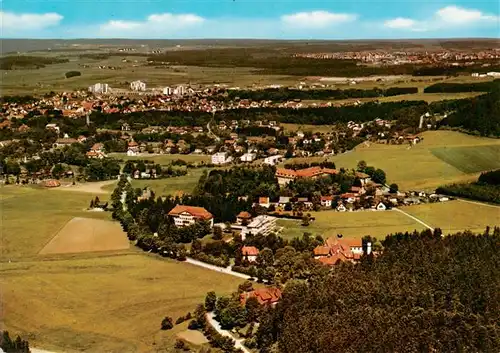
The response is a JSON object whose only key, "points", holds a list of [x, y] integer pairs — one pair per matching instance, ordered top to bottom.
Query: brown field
{"points": [[86, 235], [194, 337]]}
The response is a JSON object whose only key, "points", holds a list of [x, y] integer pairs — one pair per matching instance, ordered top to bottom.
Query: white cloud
{"points": [[459, 15], [444, 18], [316, 19], [10, 21], [400, 22], [164, 23]]}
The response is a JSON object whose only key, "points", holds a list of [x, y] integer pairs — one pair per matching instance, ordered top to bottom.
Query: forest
{"points": [[27, 62], [447, 87], [287, 94], [479, 115], [486, 188], [423, 293]]}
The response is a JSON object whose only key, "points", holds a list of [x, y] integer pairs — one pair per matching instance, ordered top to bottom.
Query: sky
{"points": [[259, 19]]}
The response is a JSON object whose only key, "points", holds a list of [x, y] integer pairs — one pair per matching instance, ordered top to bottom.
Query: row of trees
{"points": [[447, 87], [287, 94], [487, 188], [424, 293], [9, 345]]}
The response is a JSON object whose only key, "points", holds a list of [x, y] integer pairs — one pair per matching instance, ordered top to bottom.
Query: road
{"points": [[210, 132], [479, 203], [414, 218], [226, 270], [238, 343], [35, 350]]}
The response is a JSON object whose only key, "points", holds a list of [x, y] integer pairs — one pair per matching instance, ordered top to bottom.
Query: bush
{"points": [[70, 74], [167, 323], [193, 325]]}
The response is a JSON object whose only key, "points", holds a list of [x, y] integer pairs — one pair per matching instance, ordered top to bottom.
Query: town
{"points": [[244, 196]]}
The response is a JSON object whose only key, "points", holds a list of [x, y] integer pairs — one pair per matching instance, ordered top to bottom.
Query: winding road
{"points": [[210, 132], [414, 218], [226, 270], [238, 343]]}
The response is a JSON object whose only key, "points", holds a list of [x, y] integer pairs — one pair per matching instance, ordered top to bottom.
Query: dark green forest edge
{"points": [[486, 188], [424, 293], [9, 345]]}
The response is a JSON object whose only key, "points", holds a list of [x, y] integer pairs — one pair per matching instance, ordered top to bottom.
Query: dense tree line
{"points": [[13, 62], [447, 87], [287, 94], [478, 115], [487, 188], [423, 293], [9, 345]]}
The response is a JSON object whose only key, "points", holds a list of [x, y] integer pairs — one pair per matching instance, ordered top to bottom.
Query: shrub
{"points": [[70, 74], [167, 323]]}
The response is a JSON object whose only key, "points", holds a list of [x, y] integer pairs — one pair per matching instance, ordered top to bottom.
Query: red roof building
{"points": [[188, 215], [265, 296]]}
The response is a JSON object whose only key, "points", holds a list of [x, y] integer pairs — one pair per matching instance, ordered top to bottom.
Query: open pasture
{"points": [[164, 159], [470, 159], [417, 167], [456, 216], [350, 224], [87, 235], [105, 303]]}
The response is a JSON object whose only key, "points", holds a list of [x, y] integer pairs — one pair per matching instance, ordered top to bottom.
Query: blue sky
{"points": [[280, 19]]}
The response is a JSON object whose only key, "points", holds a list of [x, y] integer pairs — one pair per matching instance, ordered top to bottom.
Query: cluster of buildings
{"points": [[385, 57], [336, 250]]}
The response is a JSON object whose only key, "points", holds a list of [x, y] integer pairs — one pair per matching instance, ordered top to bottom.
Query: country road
{"points": [[210, 132], [414, 218], [226, 270], [238, 343]]}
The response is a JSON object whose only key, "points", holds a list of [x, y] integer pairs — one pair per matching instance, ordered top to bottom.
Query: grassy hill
{"points": [[442, 157], [93, 302]]}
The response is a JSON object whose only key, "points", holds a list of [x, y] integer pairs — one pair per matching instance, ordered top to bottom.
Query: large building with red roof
{"points": [[285, 176], [188, 215], [339, 250], [265, 296]]}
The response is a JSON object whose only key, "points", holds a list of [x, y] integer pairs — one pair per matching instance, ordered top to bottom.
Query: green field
{"points": [[165, 159], [470, 159], [417, 167], [168, 186], [455, 216], [351, 224], [92, 302]]}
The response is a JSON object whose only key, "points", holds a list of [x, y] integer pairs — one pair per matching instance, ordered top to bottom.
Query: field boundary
{"points": [[414, 218]]}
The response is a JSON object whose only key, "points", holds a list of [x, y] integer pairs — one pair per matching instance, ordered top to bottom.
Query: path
{"points": [[210, 132], [94, 187], [479, 203], [414, 218], [226, 270], [238, 343], [35, 350]]}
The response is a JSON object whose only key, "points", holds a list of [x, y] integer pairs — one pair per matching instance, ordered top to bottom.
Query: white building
{"points": [[493, 74], [138, 86], [99, 88], [180, 90], [168, 91], [248, 157], [221, 158], [273, 160], [188, 215], [259, 225], [250, 253]]}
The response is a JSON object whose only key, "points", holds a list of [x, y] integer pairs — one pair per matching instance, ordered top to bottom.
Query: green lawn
{"points": [[165, 158], [470, 159], [418, 167], [169, 186], [455, 216], [31, 217], [351, 224], [92, 302]]}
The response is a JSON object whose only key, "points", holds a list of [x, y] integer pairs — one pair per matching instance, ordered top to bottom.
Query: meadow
{"points": [[164, 159], [418, 167], [458, 215], [350, 224], [94, 301]]}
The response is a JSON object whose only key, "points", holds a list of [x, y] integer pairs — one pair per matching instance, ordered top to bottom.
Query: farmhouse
{"points": [[285, 176], [326, 201], [189, 215], [243, 217], [337, 249], [250, 253], [265, 296]]}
